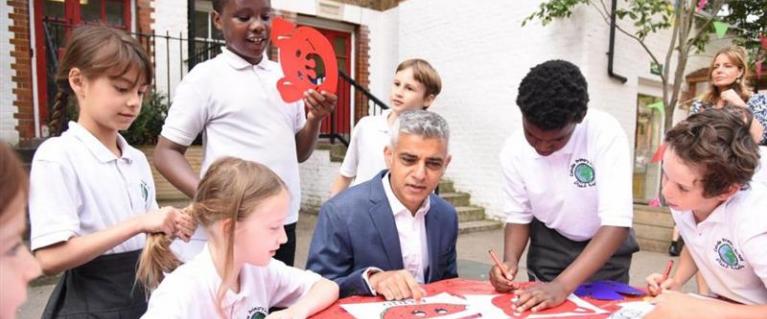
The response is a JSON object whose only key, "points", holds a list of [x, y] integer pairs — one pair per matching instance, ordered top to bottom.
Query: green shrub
{"points": [[146, 128]]}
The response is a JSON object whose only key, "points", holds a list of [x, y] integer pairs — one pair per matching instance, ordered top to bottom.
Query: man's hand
{"points": [[319, 105], [501, 283], [396, 285], [541, 296]]}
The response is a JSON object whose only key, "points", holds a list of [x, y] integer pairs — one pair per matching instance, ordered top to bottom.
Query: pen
{"points": [[498, 263], [667, 272]]}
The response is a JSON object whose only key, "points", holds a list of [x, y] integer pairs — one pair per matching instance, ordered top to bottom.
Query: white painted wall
{"points": [[170, 18], [384, 50], [482, 53], [8, 123], [317, 174]]}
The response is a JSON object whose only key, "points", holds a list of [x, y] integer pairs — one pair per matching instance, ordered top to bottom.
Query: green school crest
{"points": [[583, 172], [144, 190], [728, 256], [257, 313]]}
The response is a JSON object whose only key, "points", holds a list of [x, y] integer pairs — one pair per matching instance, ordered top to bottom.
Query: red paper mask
{"points": [[307, 59], [503, 302], [433, 310]]}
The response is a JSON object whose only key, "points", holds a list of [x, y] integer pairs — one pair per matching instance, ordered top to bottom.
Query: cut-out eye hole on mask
{"points": [[434, 310]]}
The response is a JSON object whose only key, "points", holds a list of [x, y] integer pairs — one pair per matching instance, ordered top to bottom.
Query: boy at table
{"points": [[707, 166], [567, 187]]}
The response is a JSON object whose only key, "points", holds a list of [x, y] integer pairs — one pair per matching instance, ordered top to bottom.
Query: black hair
{"points": [[553, 94]]}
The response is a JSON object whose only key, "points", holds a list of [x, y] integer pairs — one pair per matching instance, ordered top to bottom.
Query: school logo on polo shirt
{"points": [[583, 172], [144, 190], [728, 256], [257, 313]]}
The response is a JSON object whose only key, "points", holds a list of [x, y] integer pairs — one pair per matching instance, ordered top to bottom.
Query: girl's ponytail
{"points": [[59, 117], [156, 260]]}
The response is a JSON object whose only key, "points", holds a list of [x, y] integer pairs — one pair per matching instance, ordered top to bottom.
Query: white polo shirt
{"points": [[238, 109], [365, 156], [760, 176], [78, 187], [576, 190], [730, 245], [190, 290]]}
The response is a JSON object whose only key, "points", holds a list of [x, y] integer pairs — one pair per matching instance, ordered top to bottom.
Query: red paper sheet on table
{"points": [[307, 60], [460, 287]]}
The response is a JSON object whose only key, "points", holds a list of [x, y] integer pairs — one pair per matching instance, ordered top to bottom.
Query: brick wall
{"points": [[144, 18], [362, 68], [21, 69], [8, 109]]}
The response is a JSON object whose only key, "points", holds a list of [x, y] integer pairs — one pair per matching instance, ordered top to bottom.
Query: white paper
{"points": [[632, 310]]}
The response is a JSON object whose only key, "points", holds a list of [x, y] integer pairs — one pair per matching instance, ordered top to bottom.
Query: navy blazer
{"points": [[356, 230]]}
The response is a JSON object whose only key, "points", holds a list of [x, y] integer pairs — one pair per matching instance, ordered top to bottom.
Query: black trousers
{"points": [[287, 252], [550, 253], [102, 288]]}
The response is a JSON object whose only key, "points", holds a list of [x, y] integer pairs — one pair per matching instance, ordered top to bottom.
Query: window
{"points": [[207, 39], [649, 133]]}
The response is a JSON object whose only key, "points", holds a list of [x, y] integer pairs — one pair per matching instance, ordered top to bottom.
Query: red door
{"points": [[54, 20], [340, 121]]}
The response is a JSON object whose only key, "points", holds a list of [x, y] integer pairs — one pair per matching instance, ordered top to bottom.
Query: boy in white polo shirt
{"points": [[416, 85], [233, 100], [707, 166], [567, 186]]}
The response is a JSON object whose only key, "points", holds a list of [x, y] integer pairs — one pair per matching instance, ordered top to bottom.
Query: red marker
{"points": [[667, 272]]}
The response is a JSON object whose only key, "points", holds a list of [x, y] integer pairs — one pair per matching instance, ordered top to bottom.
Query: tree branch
{"points": [[675, 30]]}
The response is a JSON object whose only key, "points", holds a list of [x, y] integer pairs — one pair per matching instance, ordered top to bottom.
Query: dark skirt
{"points": [[550, 253], [102, 288]]}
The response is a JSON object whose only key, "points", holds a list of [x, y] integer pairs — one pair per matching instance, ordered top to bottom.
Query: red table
{"points": [[455, 286]]}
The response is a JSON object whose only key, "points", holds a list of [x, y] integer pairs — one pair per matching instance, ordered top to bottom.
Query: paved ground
{"points": [[473, 262]]}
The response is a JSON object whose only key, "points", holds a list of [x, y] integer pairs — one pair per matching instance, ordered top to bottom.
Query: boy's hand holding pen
{"points": [[502, 274], [656, 282]]}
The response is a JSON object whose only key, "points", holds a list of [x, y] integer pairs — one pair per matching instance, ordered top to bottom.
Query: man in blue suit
{"points": [[390, 234]]}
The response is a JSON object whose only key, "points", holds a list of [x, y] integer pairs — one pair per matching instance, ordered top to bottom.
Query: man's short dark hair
{"points": [[553, 94]]}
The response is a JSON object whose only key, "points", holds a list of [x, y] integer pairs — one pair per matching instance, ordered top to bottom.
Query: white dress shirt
{"points": [[411, 230]]}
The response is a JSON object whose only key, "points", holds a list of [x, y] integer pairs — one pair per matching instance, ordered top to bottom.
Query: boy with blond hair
{"points": [[416, 85]]}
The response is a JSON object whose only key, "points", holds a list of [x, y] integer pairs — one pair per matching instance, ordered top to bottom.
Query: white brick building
{"points": [[482, 52], [7, 121]]}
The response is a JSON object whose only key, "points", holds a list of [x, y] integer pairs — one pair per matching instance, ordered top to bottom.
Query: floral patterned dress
{"points": [[757, 104]]}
